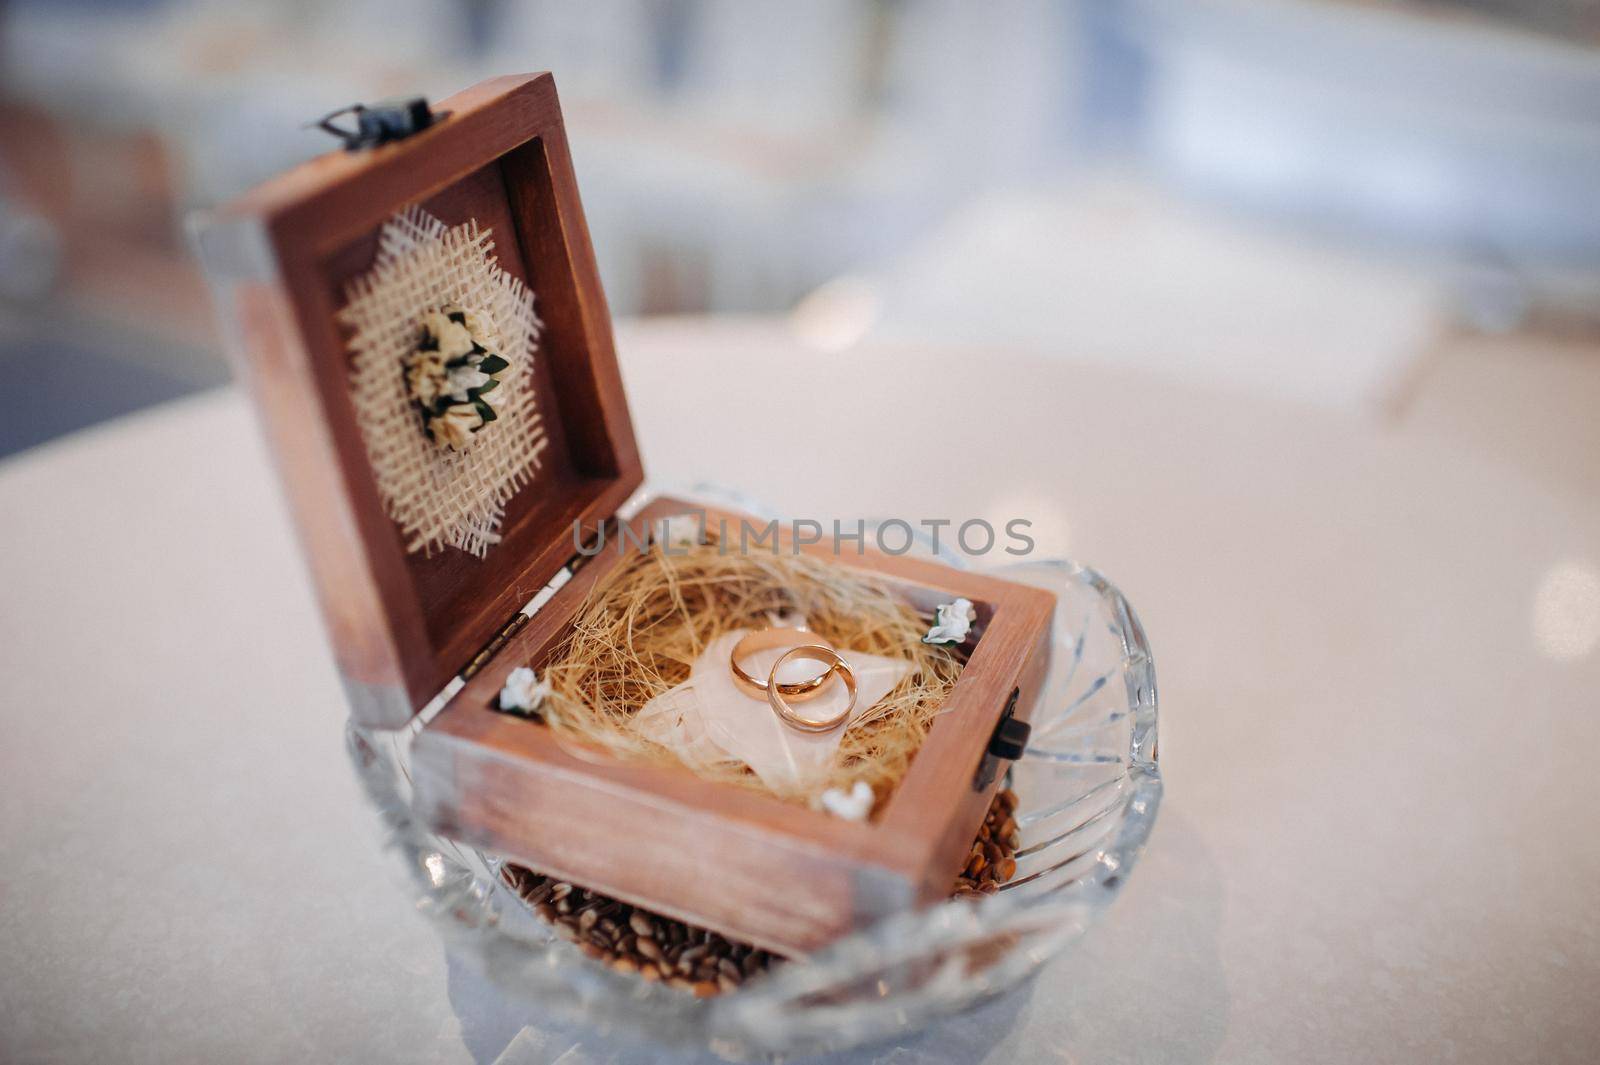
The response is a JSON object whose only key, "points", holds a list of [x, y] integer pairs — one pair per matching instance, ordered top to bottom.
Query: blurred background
{"points": [[1351, 204]]}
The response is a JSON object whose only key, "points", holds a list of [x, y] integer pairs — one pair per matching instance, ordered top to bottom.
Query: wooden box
{"points": [[404, 624]]}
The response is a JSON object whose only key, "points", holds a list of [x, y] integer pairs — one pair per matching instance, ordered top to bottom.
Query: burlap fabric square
{"points": [[437, 496]]}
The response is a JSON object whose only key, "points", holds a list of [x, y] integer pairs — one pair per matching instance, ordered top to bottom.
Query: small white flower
{"points": [[483, 331], [451, 334], [455, 339], [426, 377], [465, 377], [454, 428], [680, 530], [952, 623], [523, 690], [852, 805]]}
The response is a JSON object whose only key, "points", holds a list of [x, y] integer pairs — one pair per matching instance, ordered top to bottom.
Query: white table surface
{"points": [[1379, 688]]}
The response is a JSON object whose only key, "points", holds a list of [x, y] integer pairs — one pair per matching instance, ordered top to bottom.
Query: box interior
{"points": [[540, 653], [503, 783]]}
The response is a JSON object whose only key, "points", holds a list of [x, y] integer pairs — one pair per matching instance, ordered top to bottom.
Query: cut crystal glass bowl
{"points": [[1089, 787]]}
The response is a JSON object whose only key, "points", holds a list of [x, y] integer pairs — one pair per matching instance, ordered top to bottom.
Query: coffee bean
{"points": [[659, 949]]}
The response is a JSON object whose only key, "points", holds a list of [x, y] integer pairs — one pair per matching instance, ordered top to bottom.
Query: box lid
{"points": [[287, 260]]}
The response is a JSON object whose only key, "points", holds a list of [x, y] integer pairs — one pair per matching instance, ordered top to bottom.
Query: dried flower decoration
{"points": [[453, 375], [446, 485], [952, 623], [523, 692], [852, 805]]}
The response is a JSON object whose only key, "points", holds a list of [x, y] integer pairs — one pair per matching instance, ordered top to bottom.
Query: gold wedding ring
{"points": [[763, 639], [828, 657]]}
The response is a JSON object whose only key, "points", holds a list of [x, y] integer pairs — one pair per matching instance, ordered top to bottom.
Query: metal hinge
{"points": [[586, 552], [492, 648], [1006, 744]]}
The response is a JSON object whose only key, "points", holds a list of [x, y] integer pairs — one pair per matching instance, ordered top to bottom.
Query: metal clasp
{"points": [[379, 123], [1007, 743]]}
